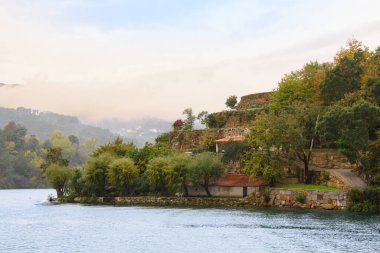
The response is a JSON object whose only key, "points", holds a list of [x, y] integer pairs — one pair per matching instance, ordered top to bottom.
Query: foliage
{"points": [[347, 72], [231, 101], [202, 117], [190, 119], [215, 121], [178, 124], [352, 128], [163, 138], [117, 148], [234, 151], [54, 156], [266, 165], [205, 168], [122, 173], [95, 174], [157, 174], [178, 177], [59, 178], [76, 182], [301, 198], [364, 201]]}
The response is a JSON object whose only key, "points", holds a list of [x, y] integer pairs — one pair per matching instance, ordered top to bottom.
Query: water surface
{"points": [[28, 223]]}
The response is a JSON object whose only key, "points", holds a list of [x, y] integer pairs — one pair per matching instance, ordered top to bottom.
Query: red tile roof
{"points": [[231, 138], [238, 180]]}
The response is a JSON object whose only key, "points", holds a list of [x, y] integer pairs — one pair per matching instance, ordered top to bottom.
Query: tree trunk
{"points": [[307, 175], [206, 189], [186, 190]]}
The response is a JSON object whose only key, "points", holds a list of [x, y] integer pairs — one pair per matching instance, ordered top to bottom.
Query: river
{"points": [[28, 223]]}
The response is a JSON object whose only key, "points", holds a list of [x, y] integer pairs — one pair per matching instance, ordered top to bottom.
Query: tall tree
{"points": [[205, 168], [122, 173]]}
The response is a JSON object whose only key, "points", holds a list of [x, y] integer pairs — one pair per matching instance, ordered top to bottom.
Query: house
{"points": [[227, 139], [229, 186]]}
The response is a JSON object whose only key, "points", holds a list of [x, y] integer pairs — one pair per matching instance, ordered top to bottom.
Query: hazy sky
{"points": [[132, 59]]}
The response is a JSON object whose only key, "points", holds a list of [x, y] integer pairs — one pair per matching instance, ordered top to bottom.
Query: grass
{"points": [[307, 187]]}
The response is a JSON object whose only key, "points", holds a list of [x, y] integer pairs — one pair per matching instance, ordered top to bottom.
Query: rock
{"points": [[327, 206]]}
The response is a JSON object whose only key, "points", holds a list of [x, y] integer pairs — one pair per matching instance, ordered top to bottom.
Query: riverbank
{"points": [[276, 197]]}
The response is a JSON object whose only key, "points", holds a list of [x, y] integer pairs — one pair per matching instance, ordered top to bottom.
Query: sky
{"points": [[153, 58]]}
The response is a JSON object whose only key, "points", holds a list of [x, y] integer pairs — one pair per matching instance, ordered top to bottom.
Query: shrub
{"points": [[231, 101], [325, 176], [355, 195], [266, 196], [301, 198], [367, 201]]}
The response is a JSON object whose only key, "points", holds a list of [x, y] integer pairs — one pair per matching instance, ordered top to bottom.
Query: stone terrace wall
{"points": [[254, 100], [330, 159], [329, 178], [329, 200]]}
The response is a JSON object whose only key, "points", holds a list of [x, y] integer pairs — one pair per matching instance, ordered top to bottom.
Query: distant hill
{"points": [[41, 124], [139, 131]]}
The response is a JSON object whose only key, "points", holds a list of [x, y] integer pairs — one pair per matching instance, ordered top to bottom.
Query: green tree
{"points": [[348, 71], [231, 101], [202, 117], [190, 118], [352, 128], [117, 148], [234, 151], [54, 156], [266, 165], [205, 168], [122, 173], [178, 173], [95, 174], [157, 174], [59, 178], [77, 182]]}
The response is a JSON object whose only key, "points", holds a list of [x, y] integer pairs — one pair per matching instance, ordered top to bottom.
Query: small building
{"points": [[227, 139], [229, 186]]}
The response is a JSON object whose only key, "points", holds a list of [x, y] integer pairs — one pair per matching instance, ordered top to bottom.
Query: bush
{"points": [[231, 101], [325, 176], [355, 195], [266, 196], [301, 198], [367, 201]]}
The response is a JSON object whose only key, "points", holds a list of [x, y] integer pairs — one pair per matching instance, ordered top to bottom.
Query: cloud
{"points": [[71, 60]]}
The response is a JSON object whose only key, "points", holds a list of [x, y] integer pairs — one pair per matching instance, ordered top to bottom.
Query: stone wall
{"points": [[254, 100], [234, 118], [330, 159], [329, 178], [222, 191], [285, 198], [329, 200]]}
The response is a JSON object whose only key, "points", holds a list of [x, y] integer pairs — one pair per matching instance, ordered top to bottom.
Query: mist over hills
{"points": [[41, 124], [138, 131]]}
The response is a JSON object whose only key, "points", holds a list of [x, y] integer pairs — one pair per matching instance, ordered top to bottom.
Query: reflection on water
{"points": [[28, 223]]}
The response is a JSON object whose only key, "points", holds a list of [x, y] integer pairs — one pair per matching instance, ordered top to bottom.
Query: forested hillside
{"points": [[41, 124], [23, 157]]}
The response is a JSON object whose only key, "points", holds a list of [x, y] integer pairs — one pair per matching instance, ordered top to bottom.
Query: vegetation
{"points": [[231, 101], [329, 105], [42, 124], [205, 168], [59, 178], [307, 187], [301, 198], [365, 201]]}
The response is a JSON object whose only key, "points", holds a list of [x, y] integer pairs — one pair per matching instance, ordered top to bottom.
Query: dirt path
{"points": [[346, 175]]}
